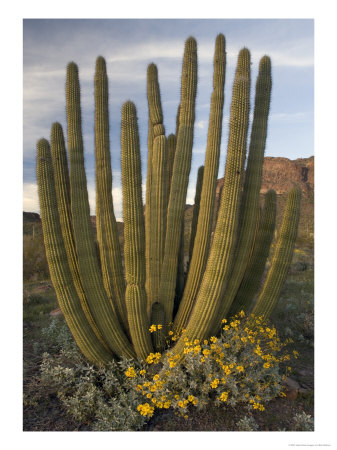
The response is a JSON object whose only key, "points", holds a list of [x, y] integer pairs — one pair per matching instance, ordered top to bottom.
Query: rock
{"points": [[55, 312], [292, 388]]}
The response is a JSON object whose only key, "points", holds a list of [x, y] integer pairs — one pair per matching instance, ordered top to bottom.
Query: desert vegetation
{"points": [[190, 319]]}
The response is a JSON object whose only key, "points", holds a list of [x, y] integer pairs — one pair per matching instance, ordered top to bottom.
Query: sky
{"points": [[129, 45]]}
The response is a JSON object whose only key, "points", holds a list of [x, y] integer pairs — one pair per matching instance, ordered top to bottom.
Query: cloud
{"points": [[30, 198]]}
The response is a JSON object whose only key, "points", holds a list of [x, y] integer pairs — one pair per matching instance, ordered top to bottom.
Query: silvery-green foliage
{"points": [[57, 336], [99, 398], [303, 422], [247, 424]]}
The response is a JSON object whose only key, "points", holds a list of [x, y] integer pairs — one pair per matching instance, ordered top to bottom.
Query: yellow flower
{"points": [[242, 313], [224, 321], [159, 327], [226, 327], [152, 328], [170, 333], [213, 339], [196, 342], [206, 342], [295, 353], [266, 365], [240, 368], [226, 369], [130, 372], [142, 372], [156, 377], [215, 383], [223, 397], [190, 398], [167, 404], [145, 409]]}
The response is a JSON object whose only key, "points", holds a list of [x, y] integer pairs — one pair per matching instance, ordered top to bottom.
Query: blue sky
{"points": [[128, 47]]}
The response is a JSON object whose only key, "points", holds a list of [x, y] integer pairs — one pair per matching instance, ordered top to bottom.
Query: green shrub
{"points": [[96, 397]]}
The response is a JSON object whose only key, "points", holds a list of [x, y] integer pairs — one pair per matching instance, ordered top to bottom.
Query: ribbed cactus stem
{"points": [[156, 129], [171, 149], [179, 183], [62, 188], [251, 192], [196, 209], [158, 213], [107, 232], [134, 233], [202, 239], [57, 257], [282, 257], [257, 262], [180, 283], [210, 294], [102, 309], [158, 318]]}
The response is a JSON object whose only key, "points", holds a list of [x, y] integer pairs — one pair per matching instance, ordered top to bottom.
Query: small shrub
{"points": [[241, 366], [96, 397], [303, 422], [247, 424]]}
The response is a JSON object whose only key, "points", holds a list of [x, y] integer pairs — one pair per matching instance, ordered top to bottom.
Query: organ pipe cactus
{"points": [[110, 305]]}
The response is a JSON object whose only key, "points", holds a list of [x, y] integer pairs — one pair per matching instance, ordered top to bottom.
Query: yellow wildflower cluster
{"points": [[154, 328], [153, 358], [240, 365], [130, 372], [224, 396], [257, 405], [145, 409]]}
